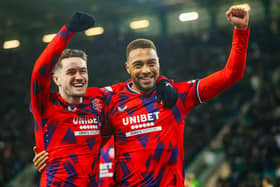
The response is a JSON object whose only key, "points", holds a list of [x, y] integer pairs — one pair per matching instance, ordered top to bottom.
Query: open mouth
{"points": [[146, 78], [147, 81], [78, 85]]}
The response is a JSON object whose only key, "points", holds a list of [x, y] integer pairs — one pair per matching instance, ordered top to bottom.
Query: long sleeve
{"points": [[41, 75], [217, 82]]}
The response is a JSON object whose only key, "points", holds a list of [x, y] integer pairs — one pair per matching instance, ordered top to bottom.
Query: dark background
{"points": [[187, 51]]}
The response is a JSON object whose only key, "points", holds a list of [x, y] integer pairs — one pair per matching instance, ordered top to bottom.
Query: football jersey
{"points": [[69, 133], [148, 137], [106, 164]]}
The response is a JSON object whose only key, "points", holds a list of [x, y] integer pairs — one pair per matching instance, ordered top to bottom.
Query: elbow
{"points": [[239, 75], [236, 76]]}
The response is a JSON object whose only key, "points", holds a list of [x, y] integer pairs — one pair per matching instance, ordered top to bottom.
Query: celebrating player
{"points": [[67, 124], [149, 137]]}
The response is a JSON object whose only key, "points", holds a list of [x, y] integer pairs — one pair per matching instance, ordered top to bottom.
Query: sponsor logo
{"points": [[142, 118], [85, 121], [142, 123], [82, 127], [143, 131], [84, 133], [104, 169]]}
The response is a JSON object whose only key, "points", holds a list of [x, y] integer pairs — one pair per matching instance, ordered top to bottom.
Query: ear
{"points": [[127, 67], [56, 80]]}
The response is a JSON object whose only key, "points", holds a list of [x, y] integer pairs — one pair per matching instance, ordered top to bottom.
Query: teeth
{"points": [[147, 78], [78, 85]]}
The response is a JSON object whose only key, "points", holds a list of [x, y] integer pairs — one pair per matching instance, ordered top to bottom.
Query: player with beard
{"points": [[148, 137]]}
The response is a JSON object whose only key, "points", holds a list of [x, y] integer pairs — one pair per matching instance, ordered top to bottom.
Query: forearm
{"points": [[51, 53], [237, 59], [217, 82]]}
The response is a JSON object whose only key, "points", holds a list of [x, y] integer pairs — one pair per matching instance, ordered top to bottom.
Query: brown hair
{"points": [[139, 43], [68, 53]]}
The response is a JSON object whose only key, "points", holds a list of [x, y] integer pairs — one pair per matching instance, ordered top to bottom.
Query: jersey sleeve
{"points": [[41, 75], [217, 82], [114, 88], [109, 91], [188, 93]]}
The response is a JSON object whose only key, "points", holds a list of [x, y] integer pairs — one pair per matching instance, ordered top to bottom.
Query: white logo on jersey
{"points": [[121, 109], [142, 118], [84, 121], [143, 131], [86, 133], [105, 170]]}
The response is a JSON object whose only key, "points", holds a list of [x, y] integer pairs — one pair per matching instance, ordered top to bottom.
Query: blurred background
{"points": [[231, 141]]}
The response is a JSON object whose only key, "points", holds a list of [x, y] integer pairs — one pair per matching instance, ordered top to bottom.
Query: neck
{"points": [[132, 86], [72, 100], [75, 100]]}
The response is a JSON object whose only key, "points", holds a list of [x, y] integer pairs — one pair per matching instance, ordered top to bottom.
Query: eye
{"points": [[152, 63], [137, 65], [71, 71], [83, 71]]}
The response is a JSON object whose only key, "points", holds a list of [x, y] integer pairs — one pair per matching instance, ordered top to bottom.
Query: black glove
{"points": [[80, 22], [166, 93]]}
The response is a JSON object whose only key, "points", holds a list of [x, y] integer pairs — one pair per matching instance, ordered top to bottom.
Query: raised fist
{"points": [[238, 16], [80, 22]]}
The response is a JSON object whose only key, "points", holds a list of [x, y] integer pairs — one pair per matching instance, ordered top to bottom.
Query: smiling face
{"points": [[143, 66], [72, 79]]}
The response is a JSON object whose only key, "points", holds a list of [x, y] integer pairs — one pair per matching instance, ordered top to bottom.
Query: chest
{"points": [[138, 116], [80, 122]]}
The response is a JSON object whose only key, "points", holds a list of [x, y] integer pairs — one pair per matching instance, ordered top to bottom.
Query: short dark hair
{"points": [[139, 43], [68, 53]]}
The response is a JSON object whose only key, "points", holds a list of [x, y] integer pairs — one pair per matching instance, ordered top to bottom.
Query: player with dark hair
{"points": [[67, 124], [149, 137]]}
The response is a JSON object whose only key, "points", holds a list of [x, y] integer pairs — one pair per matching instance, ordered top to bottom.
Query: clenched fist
{"points": [[238, 16], [80, 21]]}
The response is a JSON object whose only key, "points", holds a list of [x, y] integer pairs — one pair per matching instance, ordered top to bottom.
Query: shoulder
{"points": [[115, 87], [94, 92]]}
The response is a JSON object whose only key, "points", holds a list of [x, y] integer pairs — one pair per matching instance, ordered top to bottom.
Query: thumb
{"points": [[35, 150]]}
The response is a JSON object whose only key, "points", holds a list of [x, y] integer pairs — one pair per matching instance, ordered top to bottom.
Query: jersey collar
{"points": [[131, 90], [68, 106]]}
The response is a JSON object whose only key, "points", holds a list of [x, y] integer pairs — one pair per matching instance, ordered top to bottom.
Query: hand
{"points": [[238, 16], [80, 22], [166, 92], [40, 159]]}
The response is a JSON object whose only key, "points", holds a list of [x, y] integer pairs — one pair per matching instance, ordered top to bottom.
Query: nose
{"points": [[146, 69], [79, 77]]}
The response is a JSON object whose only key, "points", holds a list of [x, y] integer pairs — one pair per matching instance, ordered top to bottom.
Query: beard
{"points": [[144, 87]]}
